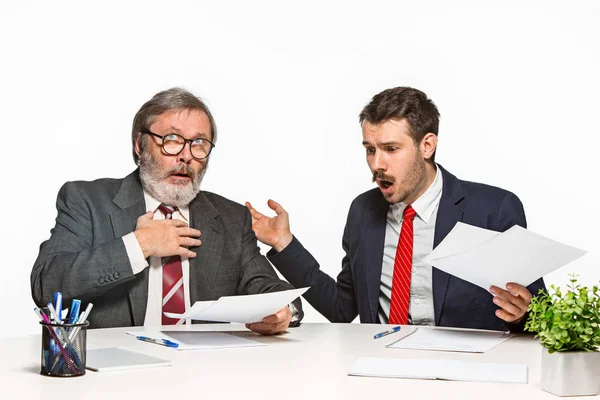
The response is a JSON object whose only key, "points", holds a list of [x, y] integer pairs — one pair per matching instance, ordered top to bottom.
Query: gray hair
{"points": [[167, 100]]}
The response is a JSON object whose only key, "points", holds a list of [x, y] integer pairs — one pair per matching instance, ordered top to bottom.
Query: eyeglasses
{"points": [[174, 144]]}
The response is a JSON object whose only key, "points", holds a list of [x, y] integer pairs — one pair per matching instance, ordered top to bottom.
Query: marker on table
{"points": [[385, 333], [163, 342]]}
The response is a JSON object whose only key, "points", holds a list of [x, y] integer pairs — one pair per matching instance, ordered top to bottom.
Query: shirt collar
{"points": [[426, 204], [152, 205]]}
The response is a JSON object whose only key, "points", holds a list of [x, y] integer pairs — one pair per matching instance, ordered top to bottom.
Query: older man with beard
{"points": [[391, 228], [153, 242]]}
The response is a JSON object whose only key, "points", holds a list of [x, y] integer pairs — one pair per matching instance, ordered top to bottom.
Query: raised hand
{"points": [[273, 231], [164, 238]]}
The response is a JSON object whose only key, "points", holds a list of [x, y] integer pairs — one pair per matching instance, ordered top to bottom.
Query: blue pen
{"points": [[58, 305], [74, 312], [385, 333], [163, 342]]}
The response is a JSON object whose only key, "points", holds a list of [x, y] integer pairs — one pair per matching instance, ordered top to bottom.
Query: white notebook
{"points": [[119, 358], [452, 370]]}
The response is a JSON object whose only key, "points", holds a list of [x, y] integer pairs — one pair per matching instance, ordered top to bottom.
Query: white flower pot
{"points": [[575, 373]]}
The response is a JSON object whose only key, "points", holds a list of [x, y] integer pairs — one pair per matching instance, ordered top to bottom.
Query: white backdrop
{"points": [[517, 86]]}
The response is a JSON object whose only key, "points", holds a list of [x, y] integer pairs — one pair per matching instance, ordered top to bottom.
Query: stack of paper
{"points": [[451, 340], [119, 358], [439, 369]]}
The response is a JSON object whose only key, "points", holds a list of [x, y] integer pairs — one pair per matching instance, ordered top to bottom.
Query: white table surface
{"points": [[309, 362]]}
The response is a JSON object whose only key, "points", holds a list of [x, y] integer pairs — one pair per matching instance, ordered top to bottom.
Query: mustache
{"points": [[181, 169], [382, 176]]}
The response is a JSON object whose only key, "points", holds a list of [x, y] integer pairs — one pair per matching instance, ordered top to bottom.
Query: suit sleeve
{"points": [[511, 213], [69, 262], [257, 274], [336, 300]]}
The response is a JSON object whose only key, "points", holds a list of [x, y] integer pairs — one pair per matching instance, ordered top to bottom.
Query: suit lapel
{"points": [[130, 200], [450, 211], [374, 241], [204, 267]]}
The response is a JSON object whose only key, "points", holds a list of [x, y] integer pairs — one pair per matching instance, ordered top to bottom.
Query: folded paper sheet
{"points": [[487, 258], [245, 309]]}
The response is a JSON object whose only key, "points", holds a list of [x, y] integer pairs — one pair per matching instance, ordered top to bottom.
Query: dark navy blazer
{"points": [[457, 303]]}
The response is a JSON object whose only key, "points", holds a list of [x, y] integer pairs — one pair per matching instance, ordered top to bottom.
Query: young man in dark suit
{"points": [[390, 229], [132, 246]]}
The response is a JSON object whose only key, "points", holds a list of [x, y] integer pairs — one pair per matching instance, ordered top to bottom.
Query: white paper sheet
{"points": [[487, 258], [244, 309], [193, 340], [451, 340], [439, 369]]}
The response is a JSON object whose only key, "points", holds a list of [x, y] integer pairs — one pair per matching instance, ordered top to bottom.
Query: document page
{"points": [[487, 258], [245, 309], [192, 340], [451, 340], [119, 358], [439, 369]]}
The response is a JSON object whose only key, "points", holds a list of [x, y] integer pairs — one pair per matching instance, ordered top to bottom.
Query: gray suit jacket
{"points": [[85, 257]]}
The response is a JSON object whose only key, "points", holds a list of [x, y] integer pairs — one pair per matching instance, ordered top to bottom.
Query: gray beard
{"points": [[154, 181]]}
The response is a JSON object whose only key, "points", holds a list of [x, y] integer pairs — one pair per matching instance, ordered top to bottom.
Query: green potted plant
{"points": [[568, 326]]}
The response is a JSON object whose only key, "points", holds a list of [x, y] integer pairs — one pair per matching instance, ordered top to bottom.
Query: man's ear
{"points": [[428, 145], [138, 146]]}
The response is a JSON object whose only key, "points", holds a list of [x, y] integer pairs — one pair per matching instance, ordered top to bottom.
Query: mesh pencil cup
{"points": [[63, 349]]}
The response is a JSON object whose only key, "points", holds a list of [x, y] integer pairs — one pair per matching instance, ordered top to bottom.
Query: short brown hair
{"points": [[161, 102], [407, 103]]}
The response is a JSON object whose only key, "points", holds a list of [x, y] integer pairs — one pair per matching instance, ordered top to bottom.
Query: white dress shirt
{"points": [[138, 264], [421, 311]]}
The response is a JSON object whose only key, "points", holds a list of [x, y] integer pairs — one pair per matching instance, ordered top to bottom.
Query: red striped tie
{"points": [[402, 271], [172, 286]]}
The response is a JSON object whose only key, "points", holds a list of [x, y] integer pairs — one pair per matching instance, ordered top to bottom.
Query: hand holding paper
{"points": [[486, 258], [503, 263], [514, 301], [246, 309], [273, 324]]}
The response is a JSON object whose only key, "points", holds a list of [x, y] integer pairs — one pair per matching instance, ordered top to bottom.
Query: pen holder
{"points": [[63, 349]]}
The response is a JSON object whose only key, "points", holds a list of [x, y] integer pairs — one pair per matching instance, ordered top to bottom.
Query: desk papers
{"points": [[487, 258], [245, 309], [195, 340], [451, 340], [119, 358], [452, 370]]}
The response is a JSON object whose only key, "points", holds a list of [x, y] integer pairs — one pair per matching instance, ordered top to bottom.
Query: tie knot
{"points": [[167, 210], [409, 213]]}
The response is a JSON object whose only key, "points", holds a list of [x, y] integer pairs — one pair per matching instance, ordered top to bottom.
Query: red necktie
{"points": [[402, 271], [172, 286]]}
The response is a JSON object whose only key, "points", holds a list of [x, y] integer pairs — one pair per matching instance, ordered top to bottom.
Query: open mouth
{"points": [[383, 181], [385, 184]]}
